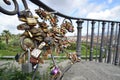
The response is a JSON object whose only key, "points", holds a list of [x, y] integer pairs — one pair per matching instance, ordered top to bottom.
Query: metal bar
{"points": [[25, 4], [44, 6], [8, 12], [117, 30], [79, 31], [87, 40], [107, 42], [91, 43], [114, 43], [97, 44], [102, 44], [110, 44], [117, 48], [53, 60], [35, 72]]}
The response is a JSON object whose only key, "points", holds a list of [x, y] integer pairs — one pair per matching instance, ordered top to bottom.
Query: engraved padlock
{"points": [[36, 53]]}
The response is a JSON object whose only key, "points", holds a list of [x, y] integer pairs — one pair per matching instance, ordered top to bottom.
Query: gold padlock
{"points": [[31, 21]]}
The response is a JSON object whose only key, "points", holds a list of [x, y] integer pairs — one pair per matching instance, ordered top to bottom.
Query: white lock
{"points": [[41, 45], [36, 52]]}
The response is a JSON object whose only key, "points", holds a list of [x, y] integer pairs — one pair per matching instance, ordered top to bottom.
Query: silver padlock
{"points": [[27, 67]]}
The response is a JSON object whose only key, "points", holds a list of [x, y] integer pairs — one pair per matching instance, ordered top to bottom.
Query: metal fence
{"points": [[103, 39]]}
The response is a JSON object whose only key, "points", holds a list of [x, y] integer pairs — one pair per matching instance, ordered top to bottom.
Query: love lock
{"points": [[42, 14], [53, 20], [31, 21], [67, 24], [23, 26], [27, 67], [55, 73]]}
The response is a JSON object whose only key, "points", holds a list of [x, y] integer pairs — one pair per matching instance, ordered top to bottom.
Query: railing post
{"points": [[79, 32], [87, 40], [102, 40], [107, 42], [91, 43], [97, 44], [110, 44], [117, 48]]}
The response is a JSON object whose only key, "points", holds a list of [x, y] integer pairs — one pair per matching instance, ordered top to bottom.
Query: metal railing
{"points": [[102, 36], [103, 40]]}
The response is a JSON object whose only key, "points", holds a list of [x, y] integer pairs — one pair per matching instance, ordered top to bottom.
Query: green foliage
{"points": [[6, 35], [2, 46], [72, 46], [84, 47], [10, 49], [7, 53], [10, 72]]}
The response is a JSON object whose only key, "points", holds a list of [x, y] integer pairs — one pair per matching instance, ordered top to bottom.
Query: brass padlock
{"points": [[31, 21], [23, 26]]}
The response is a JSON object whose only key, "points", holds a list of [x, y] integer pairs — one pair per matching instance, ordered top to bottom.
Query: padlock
{"points": [[42, 14], [31, 21], [43, 24], [67, 25], [23, 26], [34, 30], [37, 34], [39, 38], [42, 44], [36, 53], [17, 56], [73, 57], [21, 60], [34, 60], [27, 67], [54, 71]]}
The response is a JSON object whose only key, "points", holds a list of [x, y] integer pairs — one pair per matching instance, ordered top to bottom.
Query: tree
{"points": [[6, 34], [0, 38]]}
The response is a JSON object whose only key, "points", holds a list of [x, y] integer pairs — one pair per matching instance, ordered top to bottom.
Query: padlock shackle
{"points": [[28, 54]]}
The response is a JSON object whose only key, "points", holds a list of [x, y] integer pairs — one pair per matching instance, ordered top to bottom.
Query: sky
{"points": [[96, 9]]}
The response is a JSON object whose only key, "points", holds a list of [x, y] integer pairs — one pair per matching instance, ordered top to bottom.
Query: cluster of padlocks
{"points": [[38, 42]]}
